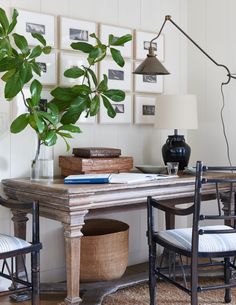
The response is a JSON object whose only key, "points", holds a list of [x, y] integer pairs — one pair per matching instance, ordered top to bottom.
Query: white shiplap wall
{"points": [[212, 24], [142, 142]]}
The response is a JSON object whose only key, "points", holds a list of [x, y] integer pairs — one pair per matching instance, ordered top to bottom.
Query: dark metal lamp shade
{"points": [[151, 66]]}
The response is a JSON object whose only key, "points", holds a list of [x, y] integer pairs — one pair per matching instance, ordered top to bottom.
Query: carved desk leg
{"points": [[228, 199], [20, 219], [72, 243]]}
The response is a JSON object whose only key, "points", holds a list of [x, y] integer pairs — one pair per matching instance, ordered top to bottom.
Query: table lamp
{"points": [[176, 112]]}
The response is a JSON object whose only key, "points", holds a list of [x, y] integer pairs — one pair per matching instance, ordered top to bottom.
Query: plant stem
{"points": [[24, 99], [37, 152]]}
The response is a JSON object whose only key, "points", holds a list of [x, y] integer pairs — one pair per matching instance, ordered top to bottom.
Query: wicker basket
{"points": [[104, 250]]}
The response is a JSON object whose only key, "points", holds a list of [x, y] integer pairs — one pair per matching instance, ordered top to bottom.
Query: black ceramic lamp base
{"points": [[176, 150]]}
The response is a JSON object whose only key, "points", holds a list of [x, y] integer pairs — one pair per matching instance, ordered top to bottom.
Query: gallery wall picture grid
{"points": [[31, 22], [75, 30], [106, 30], [142, 44], [70, 60], [48, 66], [118, 77], [148, 83], [144, 109], [123, 112]]}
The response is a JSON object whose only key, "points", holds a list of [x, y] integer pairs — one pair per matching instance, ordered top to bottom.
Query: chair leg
{"points": [[227, 276], [35, 277], [152, 277], [194, 281]]}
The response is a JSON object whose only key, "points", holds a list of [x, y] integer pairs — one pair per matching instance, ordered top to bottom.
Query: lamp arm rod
{"points": [[168, 18], [159, 33]]}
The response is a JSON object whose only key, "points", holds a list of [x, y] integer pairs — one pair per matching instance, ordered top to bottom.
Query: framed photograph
{"points": [[31, 22], [74, 30], [106, 30], [142, 44], [70, 60], [48, 66], [118, 77], [148, 83], [18, 106], [144, 109], [123, 112]]}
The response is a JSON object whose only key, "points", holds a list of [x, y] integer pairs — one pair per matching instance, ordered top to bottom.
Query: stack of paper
{"points": [[114, 178]]}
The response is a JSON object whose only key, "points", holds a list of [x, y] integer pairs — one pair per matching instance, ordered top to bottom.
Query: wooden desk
{"points": [[69, 204]]}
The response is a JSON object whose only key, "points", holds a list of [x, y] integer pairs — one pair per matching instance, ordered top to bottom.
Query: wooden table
{"points": [[69, 204]]}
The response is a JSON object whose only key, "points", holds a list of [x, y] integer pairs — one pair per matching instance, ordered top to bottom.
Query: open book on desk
{"points": [[114, 178]]}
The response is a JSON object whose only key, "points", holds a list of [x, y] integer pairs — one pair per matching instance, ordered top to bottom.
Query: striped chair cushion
{"points": [[182, 238], [10, 243]]}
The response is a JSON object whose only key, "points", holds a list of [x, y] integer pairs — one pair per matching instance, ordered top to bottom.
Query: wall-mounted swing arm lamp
{"points": [[152, 66]]}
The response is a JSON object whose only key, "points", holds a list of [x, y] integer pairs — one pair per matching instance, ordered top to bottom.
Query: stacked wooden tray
{"points": [[95, 160]]}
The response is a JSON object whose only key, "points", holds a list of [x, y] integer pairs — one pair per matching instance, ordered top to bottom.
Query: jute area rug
{"points": [[167, 295]]}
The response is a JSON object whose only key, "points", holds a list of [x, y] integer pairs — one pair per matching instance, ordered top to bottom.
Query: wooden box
{"points": [[75, 165]]}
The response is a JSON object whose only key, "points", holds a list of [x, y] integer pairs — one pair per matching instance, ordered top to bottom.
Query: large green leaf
{"points": [[4, 21], [13, 22], [40, 38], [113, 41], [21, 43], [5, 45], [82, 46], [37, 51], [97, 54], [116, 55], [9, 63], [35, 67], [26, 72], [74, 72], [8, 75], [93, 75], [103, 84], [13, 86], [81, 89], [35, 90], [63, 94], [115, 95], [61, 105], [95, 105], [54, 109], [110, 110], [47, 116], [71, 116], [39, 122], [20, 123], [71, 128], [65, 135], [50, 138]]}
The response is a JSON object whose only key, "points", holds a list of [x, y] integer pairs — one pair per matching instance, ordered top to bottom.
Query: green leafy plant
{"points": [[18, 64]]}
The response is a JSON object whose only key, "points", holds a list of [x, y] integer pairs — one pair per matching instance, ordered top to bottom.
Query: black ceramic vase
{"points": [[176, 150]]}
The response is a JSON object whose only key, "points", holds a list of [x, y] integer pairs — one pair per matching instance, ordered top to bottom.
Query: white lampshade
{"points": [[176, 112]]}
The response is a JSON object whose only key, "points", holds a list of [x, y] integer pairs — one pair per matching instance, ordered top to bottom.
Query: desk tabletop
{"points": [[58, 200]]}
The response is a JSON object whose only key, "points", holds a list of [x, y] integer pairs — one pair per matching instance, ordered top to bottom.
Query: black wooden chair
{"points": [[204, 246], [13, 252]]}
